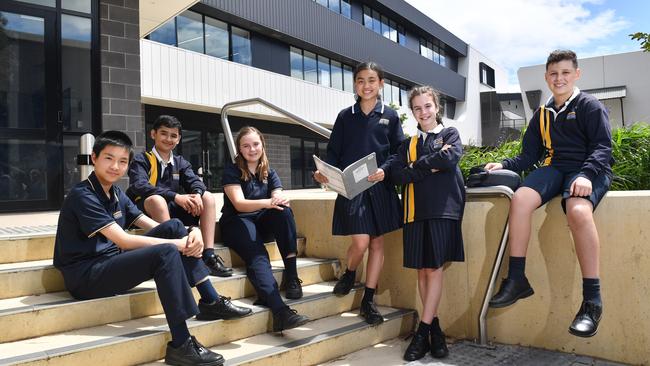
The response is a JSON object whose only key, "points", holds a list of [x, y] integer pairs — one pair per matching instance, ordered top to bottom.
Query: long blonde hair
{"points": [[262, 169]]}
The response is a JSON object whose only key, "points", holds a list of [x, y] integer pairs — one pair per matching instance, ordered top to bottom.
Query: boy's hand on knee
{"points": [[493, 166], [581, 187], [197, 204], [194, 244]]}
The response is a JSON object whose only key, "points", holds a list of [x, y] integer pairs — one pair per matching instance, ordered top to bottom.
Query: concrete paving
{"points": [[466, 353]]}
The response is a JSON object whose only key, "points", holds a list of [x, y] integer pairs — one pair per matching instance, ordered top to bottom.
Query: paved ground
{"points": [[467, 353]]}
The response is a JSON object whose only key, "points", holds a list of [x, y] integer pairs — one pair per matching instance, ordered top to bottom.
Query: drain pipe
{"points": [[86, 143]]}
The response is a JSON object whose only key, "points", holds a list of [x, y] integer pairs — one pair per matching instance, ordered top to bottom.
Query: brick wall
{"points": [[278, 153]]}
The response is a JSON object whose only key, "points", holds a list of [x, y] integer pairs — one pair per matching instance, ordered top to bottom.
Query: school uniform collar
{"points": [[550, 103], [379, 107], [435, 130], [160, 159], [99, 191]]}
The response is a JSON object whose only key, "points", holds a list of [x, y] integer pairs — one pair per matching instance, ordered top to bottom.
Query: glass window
{"points": [[322, 2], [334, 5], [82, 6], [346, 9], [367, 17], [376, 21], [385, 29], [190, 31], [393, 31], [166, 34], [401, 35], [216, 38], [241, 46], [436, 55], [295, 57], [443, 59], [309, 67], [324, 71], [76, 72], [337, 75], [22, 79], [348, 83], [395, 91], [386, 94], [403, 95], [295, 148], [309, 148], [26, 178]]}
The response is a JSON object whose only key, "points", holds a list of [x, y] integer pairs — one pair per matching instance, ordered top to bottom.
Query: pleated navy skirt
{"points": [[375, 211], [432, 243]]}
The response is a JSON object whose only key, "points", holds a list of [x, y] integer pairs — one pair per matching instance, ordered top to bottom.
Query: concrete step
{"points": [[40, 277], [31, 316], [143, 340], [317, 341]]}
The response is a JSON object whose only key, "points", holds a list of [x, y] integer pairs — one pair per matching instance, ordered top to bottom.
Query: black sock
{"points": [[207, 253], [516, 268], [290, 269], [348, 272], [591, 290], [208, 293], [368, 295], [435, 326], [424, 329], [180, 334]]}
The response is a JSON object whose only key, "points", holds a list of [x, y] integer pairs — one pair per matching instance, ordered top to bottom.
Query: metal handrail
{"points": [[225, 124], [477, 192], [482, 192]]}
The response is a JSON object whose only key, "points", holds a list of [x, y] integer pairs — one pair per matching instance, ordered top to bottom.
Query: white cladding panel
{"points": [[173, 76]]}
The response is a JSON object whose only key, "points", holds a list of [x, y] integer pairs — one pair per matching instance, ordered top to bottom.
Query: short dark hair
{"points": [[561, 55], [368, 65], [168, 121], [113, 138]]}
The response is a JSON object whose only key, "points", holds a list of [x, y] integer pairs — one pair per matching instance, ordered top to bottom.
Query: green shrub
{"points": [[630, 148]]}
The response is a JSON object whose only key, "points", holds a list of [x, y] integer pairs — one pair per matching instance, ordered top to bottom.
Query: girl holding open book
{"points": [[366, 127], [433, 195]]}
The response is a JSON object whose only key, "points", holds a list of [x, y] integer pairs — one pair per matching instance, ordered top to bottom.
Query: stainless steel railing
{"points": [[225, 124], [471, 192]]}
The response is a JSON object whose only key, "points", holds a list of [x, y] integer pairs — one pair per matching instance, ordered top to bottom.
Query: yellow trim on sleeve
{"points": [[409, 192]]}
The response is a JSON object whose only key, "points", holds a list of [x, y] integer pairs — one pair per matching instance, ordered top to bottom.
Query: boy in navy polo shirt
{"points": [[571, 136], [156, 178], [98, 258]]}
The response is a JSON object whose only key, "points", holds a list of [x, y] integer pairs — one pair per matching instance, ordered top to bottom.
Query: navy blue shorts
{"points": [[549, 182], [175, 212]]}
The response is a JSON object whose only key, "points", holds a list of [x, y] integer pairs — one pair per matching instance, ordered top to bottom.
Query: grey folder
{"points": [[353, 179]]}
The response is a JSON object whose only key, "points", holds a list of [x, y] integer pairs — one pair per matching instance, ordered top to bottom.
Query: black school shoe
{"points": [[217, 266], [344, 285], [292, 287], [511, 290], [223, 308], [369, 312], [288, 318], [585, 324], [438, 344], [418, 348], [192, 353]]}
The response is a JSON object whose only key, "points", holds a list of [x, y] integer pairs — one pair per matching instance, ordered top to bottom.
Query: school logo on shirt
{"points": [[571, 116], [384, 121], [437, 143], [176, 176], [117, 215]]}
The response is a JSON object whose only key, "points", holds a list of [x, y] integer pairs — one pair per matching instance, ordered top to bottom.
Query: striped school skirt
{"points": [[375, 211], [432, 243]]}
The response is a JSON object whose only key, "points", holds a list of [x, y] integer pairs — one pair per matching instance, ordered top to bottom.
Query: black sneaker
{"points": [[217, 266], [345, 283], [292, 287], [511, 290], [223, 308], [370, 313], [288, 318], [586, 321], [418, 348], [192, 353]]}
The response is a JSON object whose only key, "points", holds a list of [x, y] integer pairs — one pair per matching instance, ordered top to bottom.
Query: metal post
{"points": [[86, 143]]}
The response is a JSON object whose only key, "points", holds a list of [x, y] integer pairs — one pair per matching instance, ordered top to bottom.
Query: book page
{"points": [[333, 174]]}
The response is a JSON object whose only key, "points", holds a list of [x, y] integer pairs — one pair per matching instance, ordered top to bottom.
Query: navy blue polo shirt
{"points": [[254, 189], [87, 210]]}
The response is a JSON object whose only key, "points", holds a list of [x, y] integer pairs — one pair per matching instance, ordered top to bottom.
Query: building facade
{"points": [[70, 67]]}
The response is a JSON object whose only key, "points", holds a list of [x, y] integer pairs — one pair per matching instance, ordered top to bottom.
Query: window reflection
{"points": [[82, 6], [190, 31], [166, 34], [216, 38], [241, 46], [324, 71], [76, 72], [23, 179]]}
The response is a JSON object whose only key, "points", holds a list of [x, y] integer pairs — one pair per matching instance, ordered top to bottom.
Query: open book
{"points": [[353, 179]]}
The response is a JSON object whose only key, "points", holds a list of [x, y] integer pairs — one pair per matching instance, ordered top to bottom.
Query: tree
{"points": [[644, 38]]}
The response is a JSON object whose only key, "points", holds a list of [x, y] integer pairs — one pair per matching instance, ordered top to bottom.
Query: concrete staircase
{"points": [[41, 324]]}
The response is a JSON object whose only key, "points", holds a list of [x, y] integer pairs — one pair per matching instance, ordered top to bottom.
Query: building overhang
{"points": [[154, 13], [614, 92]]}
